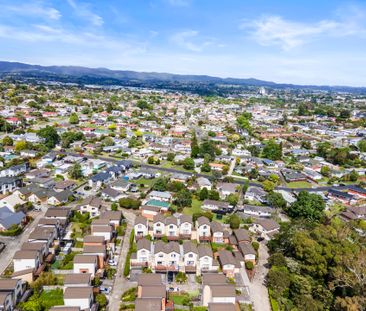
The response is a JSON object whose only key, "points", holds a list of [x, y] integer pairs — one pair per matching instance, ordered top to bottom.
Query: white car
{"points": [[112, 262]]}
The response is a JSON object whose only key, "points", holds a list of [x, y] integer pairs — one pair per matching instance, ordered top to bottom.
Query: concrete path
{"points": [[120, 283], [257, 288]]}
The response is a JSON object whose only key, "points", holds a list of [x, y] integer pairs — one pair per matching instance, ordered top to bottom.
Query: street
{"points": [[120, 283], [257, 288]]}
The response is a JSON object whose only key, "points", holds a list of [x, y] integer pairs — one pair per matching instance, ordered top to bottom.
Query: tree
{"points": [[344, 114], [74, 119], [50, 136], [8, 141], [21, 145], [361, 145], [195, 149], [272, 150], [170, 156], [188, 164], [75, 171], [325, 171], [353, 176], [160, 184], [268, 186], [203, 195], [214, 195], [183, 198], [232, 199], [276, 200], [129, 203], [308, 205], [234, 221], [181, 277], [278, 280], [101, 299]]}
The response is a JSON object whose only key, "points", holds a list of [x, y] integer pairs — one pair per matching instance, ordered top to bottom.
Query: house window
{"points": [[171, 227], [190, 255]]}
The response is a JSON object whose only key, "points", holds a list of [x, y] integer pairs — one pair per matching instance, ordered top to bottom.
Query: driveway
{"points": [[13, 244], [120, 283], [257, 288]]}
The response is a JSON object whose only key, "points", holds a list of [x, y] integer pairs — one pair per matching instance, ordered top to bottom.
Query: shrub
{"points": [[249, 265]]}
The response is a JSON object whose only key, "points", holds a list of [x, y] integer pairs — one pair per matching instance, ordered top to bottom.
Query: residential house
{"points": [[204, 182], [9, 184], [225, 189], [256, 194], [91, 205], [214, 205], [9, 218], [141, 227], [203, 227], [265, 227], [217, 232], [143, 253], [166, 256], [190, 256], [24, 260], [85, 264], [229, 264], [77, 279], [81, 297]]}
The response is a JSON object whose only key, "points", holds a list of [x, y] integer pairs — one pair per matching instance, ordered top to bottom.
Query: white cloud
{"points": [[179, 2], [32, 9], [83, 10], [274, 30], [287, 34], [188, 40]]}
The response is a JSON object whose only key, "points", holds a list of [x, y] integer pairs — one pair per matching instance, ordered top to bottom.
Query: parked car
{"points": [[105, 290]]}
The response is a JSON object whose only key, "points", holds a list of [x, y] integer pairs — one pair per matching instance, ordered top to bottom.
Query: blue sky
{"points": [[306, 42]]}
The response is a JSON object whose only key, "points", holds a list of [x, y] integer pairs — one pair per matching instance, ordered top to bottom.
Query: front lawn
{"points": [[298, 184], [195, 208]]}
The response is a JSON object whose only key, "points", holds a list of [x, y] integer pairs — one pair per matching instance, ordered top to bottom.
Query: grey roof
{"points": [[8, 180], [111, 192], [92, 201], [8, 218], [140, 220], [203, 221], [216, 227], [241, 235], [144, 244], [189, 246], [166, 248], [246, 249], [204, 250], [149, 279], [214, 279], [78, 292], [148, 304], [221, 306]]}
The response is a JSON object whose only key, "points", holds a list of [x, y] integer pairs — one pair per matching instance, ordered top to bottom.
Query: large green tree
{"points": [[50, 136], [308, 205]]}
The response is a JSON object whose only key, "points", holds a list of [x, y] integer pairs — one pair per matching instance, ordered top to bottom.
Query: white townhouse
{"points": [[141, 227], [203, 229], [167, 256]]}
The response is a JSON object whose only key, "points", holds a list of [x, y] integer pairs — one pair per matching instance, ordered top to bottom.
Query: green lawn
{"points": [[175, 166], [146, 182], [298, 184], [196, 207]]}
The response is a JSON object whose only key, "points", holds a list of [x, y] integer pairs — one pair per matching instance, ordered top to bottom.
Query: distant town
{"points": [[147, 199]]}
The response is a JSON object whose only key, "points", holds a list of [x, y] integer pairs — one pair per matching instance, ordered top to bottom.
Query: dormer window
{"points": [[171, 227]]}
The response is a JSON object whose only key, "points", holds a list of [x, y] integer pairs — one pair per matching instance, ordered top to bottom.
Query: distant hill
{"points": [[103, 76]]}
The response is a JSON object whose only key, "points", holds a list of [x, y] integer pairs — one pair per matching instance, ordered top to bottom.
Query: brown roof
{"points": [[64, 184], [92, 201], [57, 212], [111, 215], [140, 220], [203, 221], [100, 222], [268, 224], [217, 227], [107, 228], [41, 233], [241, 235], [93, 239], [144, 244], [37, 246], [189, 246], [166, 248], [100, 249], [246, 249], [204, 250], [26, 254], [79, 258], [226, 258], [77, 278], [149, 279], [213, 279], [8, 283], [227, 290], [154, 291], [78, 292], [148, 304], [221, 306], [63, 308]]}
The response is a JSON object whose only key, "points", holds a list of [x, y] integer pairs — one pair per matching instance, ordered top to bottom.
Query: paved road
{"points": [[232, 166], [240, 182], [13, 244], [120, 283], [257, 288]]}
